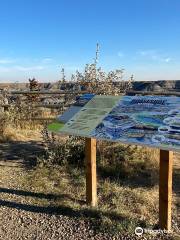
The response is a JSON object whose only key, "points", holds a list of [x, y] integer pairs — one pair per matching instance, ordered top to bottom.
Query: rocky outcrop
{"points": [[157, 86]]}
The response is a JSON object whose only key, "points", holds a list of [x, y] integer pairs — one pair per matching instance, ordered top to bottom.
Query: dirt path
{"points": [[21, 217]]}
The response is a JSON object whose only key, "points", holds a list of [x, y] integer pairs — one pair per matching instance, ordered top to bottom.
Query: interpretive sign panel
{"points": [[76, 107], [88, 118], [143, 120]]}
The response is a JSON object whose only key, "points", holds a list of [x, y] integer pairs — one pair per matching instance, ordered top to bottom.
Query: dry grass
{"points": [[21, 134], [127, 190], [120, 207]]}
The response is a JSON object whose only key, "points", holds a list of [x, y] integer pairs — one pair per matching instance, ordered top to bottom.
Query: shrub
{"points": [[62, 150]]}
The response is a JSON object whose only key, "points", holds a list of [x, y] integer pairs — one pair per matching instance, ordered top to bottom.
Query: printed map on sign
{"points": [[90, 116], [142, 120]]}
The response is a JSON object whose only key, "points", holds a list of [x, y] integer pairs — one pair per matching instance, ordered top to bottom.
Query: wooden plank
{"points": [[61, 92], [38, 105], [37, 119], [91, 178], [165, 189]]}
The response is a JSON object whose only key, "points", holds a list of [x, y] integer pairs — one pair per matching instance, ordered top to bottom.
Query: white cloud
{"points": [[146, 52], [120, 54], [152, 54], [155, 55], [167, 59], [47, 60], [6, 61], [11, 61], [21, 68], [31, 68], [4, 69]]}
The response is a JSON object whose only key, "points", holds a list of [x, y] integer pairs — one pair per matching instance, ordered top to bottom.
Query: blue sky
{"points": [[38, 37]]}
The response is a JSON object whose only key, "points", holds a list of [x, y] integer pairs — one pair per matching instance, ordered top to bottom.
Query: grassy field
{"points": [[55, 126], [127, 188]]}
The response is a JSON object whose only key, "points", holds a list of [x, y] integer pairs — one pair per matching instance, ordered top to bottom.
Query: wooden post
{"points": [[91, 181], [165, 189]]}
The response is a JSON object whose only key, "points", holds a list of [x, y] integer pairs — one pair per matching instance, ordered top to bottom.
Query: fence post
{"points": [[91, 178], [165, 189]]}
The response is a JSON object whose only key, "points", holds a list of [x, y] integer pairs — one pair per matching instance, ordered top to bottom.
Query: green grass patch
{"points": [[55, 126]]}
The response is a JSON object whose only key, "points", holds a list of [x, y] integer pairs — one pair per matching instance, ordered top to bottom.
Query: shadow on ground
{"points": [[23, 153], [139, 178], [48, 196], [93, 215]]}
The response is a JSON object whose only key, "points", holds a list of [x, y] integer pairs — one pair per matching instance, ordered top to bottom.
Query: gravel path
{"points": [[19, 219]]}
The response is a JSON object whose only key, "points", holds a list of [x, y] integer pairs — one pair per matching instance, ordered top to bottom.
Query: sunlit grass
{"points": [[55, 126]]}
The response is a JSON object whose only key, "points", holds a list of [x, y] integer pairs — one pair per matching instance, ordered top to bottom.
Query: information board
{"points": [[76, 107], [92, 114], [142, 120]]}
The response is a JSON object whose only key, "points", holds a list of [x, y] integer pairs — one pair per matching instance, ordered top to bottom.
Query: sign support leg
{"points": [[91, 178], [165, 189]]}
